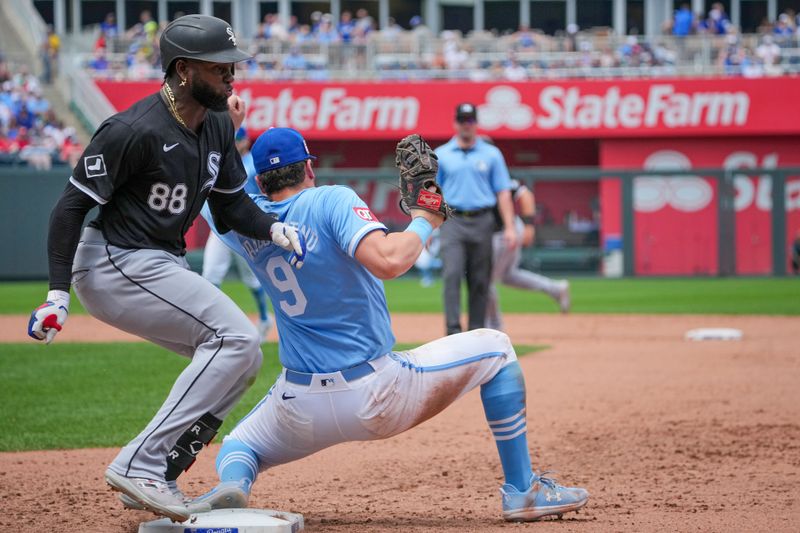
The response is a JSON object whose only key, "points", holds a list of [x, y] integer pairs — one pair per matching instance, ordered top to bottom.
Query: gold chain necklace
{"points": [[170, 97]]}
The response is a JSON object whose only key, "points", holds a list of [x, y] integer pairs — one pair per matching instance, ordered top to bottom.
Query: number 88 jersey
{"points": [[151, 175]]}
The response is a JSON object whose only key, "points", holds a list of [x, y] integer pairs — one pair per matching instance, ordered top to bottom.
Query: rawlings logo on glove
{"points": [[418, 166], [288, 238], [48, 319]]}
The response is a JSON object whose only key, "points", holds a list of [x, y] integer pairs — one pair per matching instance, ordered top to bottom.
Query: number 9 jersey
{"points": [[151, 175], [325, 324]]}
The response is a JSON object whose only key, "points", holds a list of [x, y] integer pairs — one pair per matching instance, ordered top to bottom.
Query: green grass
{"points": [[768, 296], [74, 395]]}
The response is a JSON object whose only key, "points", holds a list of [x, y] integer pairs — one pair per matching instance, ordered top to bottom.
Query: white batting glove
{"points": [[288, 238], [47, 319]]}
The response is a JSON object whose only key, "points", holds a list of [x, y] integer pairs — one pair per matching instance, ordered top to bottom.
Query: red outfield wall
{"points": [[655, 124]]}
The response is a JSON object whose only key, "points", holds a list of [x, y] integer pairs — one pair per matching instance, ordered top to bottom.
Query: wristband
{"points": [[527, 220], [422, 228], [58, 297]]}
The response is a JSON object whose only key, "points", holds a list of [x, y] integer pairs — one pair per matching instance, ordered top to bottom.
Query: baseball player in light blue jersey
{"points": [[217, 257], [341, 380]]}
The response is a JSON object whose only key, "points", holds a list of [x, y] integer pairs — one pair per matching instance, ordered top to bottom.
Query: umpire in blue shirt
{"points": [[474, 178]]}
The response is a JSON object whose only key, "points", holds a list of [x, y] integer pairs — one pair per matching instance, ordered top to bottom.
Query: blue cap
{"points": [[241, 134], [279, 147]]}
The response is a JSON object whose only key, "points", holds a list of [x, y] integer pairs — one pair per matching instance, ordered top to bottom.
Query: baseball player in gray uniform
{"points": [[150, 169], [506, 261]]}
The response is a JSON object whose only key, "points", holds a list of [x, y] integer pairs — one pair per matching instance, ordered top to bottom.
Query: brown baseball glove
{"points": [[418, 167]]}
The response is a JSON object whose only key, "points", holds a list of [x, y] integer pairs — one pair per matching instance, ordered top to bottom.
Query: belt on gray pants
{"points": [[471, 214], [349, 374]]}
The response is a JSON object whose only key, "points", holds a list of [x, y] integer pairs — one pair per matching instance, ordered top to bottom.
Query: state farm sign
{"points": [[333, 109], [594, 109]]}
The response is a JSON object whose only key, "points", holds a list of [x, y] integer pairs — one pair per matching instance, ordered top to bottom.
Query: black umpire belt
{"points": [[463, 213], [349, 374]]}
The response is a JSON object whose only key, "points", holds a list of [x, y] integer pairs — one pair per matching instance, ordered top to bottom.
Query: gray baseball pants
{"points": [[466, 251], [153, 294]]}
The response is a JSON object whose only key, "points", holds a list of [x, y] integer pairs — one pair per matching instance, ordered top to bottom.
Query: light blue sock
{"points": [[261, 303], [504, 404], [236, 461]]}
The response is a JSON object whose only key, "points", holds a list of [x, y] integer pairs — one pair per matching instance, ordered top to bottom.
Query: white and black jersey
{"points": [[151, 176]]}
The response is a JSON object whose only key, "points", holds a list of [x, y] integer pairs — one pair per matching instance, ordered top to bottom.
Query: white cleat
{"points": [[151, 495]]}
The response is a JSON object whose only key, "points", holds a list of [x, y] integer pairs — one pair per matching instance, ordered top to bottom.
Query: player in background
{"points": [[150, 169], [217, 257], [506, 261], [341, 380]]}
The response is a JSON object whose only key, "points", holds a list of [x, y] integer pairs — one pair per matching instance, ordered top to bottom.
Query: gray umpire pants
{"points": [[466, 252], [153, 294]]}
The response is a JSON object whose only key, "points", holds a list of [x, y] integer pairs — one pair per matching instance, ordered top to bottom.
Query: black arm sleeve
{"points": [[237, 211], [65, 232]]}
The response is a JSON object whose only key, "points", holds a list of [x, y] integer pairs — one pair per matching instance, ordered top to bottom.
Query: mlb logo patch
{"points": [[274, 160], [95, 166], [365, 214]]}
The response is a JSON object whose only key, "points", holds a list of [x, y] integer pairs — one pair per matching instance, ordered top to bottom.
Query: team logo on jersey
{"points": [[95, 166], [213, 168], [365, 214]]}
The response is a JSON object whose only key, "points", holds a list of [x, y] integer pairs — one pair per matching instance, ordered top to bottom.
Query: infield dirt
{"points": [[666, 434]]}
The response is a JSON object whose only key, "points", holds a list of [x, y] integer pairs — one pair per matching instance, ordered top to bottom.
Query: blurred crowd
{"points": [[320, 46], [764, 56], [30, 132]]}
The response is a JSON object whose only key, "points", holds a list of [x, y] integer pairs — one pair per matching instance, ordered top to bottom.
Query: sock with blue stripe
{"points": [[261, 303], [504, 404], [236, 461]]}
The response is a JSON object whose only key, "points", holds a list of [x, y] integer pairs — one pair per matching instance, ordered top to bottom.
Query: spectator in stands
{"points": [[316, 20], [683, 21], [717, 21], [294, 25], [364, 25], [347, 26], [108, 28], [145, 29], [272, 29], [784, 29], [392, 30], [326, 33], [304, 34], [524, 38], [50, 48], [769, 54], [455, 57], [732, 57], [294, 60], [99, 62], [752, 66], [513, 71], [5, 72], [36, 103], [24, 117], [71, 148]]}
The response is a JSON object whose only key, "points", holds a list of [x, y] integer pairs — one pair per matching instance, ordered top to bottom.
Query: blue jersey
{"points": [[470, 179], [250, 186], [332, 313]]}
